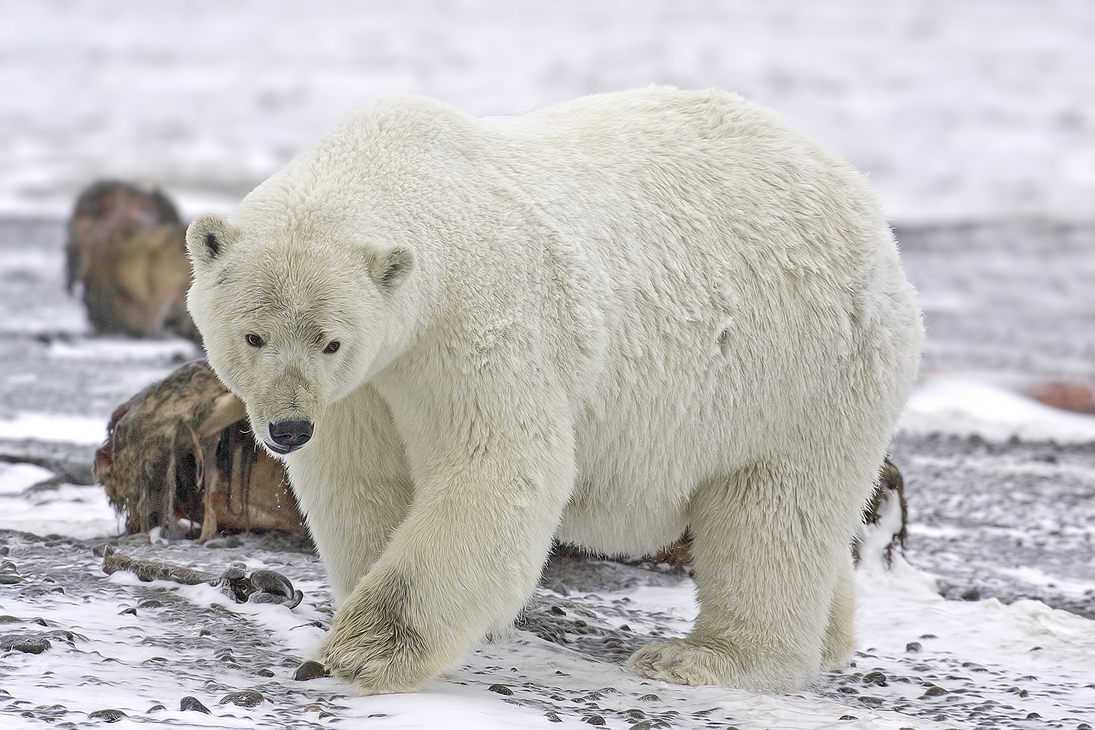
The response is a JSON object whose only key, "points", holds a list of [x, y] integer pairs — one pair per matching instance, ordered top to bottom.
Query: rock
{"points": [[973, 594], [26, 643], [310, 670], [877, 678], [500, 689], [243, 698], [193, 704], [109, 715]]}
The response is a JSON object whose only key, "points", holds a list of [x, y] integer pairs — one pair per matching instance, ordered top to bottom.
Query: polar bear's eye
{"points": [[254, 340], [332, 347]]}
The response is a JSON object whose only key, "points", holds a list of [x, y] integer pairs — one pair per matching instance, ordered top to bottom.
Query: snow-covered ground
{"points": [[972, 110], [995, 523]]}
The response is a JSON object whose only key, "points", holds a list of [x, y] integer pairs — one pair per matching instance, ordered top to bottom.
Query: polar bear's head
{"points": [[293, 317]]}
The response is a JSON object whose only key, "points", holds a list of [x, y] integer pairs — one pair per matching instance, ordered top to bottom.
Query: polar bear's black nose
{"points": [[290, 435]]}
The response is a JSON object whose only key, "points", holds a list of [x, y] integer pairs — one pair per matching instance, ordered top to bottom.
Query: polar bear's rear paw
{"points": [[679, 662], [683, 662]]}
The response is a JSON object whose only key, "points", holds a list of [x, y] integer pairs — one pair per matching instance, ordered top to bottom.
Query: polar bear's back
{"points": [[752, 293]]}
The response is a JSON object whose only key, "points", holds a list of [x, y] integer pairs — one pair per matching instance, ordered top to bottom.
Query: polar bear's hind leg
{"points": [[766, 566]]}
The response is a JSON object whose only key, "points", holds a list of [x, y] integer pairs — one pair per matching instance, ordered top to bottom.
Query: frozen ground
{"points": [[973, 110], [998, 521]]}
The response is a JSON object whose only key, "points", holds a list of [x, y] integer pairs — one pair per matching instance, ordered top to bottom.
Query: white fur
{"points": [[604, 321]]}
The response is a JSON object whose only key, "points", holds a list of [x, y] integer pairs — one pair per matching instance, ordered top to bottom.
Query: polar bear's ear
{"points": [[207, 237], [389, 267]]}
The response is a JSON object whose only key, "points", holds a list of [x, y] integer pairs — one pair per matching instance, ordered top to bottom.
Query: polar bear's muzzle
{"points": [[288, 436]]}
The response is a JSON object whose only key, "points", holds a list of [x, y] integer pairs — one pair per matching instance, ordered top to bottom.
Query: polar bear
{"points": [[604, 322]]}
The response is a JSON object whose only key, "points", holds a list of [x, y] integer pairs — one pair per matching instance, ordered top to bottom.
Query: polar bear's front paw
{"points": [[373, 646], [374, 663]]}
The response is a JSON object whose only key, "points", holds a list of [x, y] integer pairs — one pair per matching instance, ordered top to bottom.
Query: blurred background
{"points": [[980, 110]]}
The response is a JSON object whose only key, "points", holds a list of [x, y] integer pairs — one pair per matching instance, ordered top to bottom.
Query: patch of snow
{"points": [[124, 349], [965, 406], [53, 427], [14, 478], [82, 512]]}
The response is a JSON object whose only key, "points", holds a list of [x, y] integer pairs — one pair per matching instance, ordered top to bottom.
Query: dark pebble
{"points": [[8, 579], [973, 594], [132, 611], [558, 611], [10, 620], [928, 636], [24, 643], [913, 646], [310, 670], [264, 672], [875, 678], [500, 689], [934, 691], [244, 698], [650, 698], [193, 704], [155, 708], [107, 715], [552, 717], [848, 717], [594, 720], [644, 725]]}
